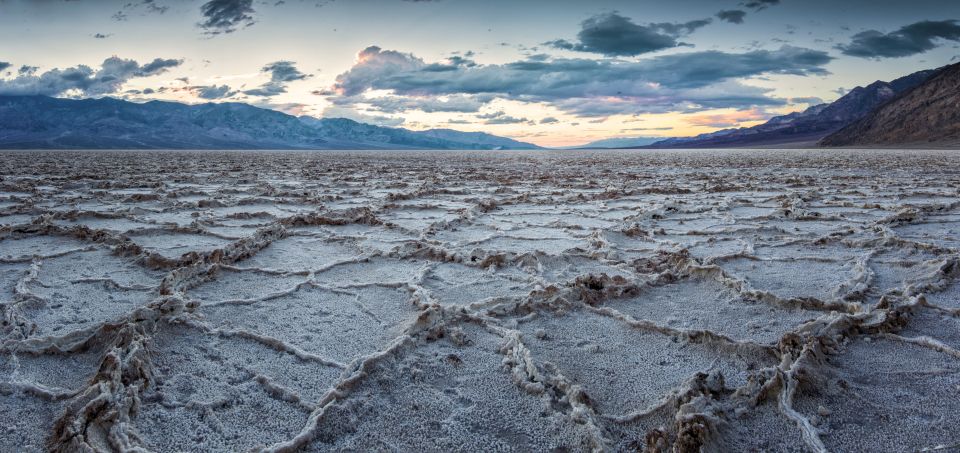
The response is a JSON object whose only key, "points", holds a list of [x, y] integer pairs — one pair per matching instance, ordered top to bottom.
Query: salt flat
{"points": [[507, 301]]}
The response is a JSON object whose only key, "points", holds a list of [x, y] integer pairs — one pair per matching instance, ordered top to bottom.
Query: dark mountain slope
{"points": [[926, 114], [808, 126]]}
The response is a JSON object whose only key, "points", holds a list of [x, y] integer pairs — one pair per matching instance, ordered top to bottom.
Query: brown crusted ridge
{"points": [[363, 216]]}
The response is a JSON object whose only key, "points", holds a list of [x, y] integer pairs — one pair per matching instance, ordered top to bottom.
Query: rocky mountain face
{"points": [[926, 114], [43, 122], [808, 126]]}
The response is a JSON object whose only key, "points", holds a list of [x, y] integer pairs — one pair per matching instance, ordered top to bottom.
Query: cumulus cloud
{"points": [[226, 16], [734, 16], [611, 34], [908, 40], [373, 64], [451, 64], [4, 65], [281, 73], [82, 79], [686, 81], [549, 120]]}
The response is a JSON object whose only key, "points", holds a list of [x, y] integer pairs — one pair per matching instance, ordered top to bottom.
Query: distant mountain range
{"points": [[922, 108], [928, 114], [43, 122], [807, 127], [618, 142]]}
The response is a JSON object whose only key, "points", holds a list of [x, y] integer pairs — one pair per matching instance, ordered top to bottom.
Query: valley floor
{"points": [[748, 300]]}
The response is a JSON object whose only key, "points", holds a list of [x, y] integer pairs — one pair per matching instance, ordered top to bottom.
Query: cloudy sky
{"points": [[558, 72]]}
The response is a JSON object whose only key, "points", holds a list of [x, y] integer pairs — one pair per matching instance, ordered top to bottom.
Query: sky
{"points": [[554, 73]]}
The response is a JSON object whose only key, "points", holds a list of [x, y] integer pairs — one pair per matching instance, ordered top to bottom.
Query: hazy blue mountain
{"points": [[45, 122], [808, 126], [344, 132], [620, 142]]}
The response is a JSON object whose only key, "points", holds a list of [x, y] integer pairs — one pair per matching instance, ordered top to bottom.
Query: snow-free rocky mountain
{"points": [[928, 114], [28, 122], [806, 127]]}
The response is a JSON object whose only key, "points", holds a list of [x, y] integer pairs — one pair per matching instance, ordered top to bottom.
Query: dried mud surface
{"points": [[573, 301]]}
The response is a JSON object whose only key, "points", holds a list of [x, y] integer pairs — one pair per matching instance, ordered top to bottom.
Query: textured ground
{"points": [[684, 301]]}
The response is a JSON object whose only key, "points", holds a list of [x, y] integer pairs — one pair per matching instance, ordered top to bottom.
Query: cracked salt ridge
{"points": [[173, 245], [24, 249], [83, 289], [705, 304], [316, 320], [224, 335], [625, 369], [207, 385], [447, 393], [883, 395]]}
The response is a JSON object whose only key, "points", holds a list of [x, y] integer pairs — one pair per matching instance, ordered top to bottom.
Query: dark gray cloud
{"points": [[759, 4], [226, 16], [734, 16], [611, 34], [102, 36], [908, 40], [4, 65], [157, 66], [27, 70], [281, 73], [82, 79], [687, 81], [213, 91], [811, 100], [491, 115], [501, 117], [507, 119], [549, 120]]}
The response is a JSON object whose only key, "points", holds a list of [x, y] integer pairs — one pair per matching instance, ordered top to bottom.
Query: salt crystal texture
{"points": [[510, 301]]}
